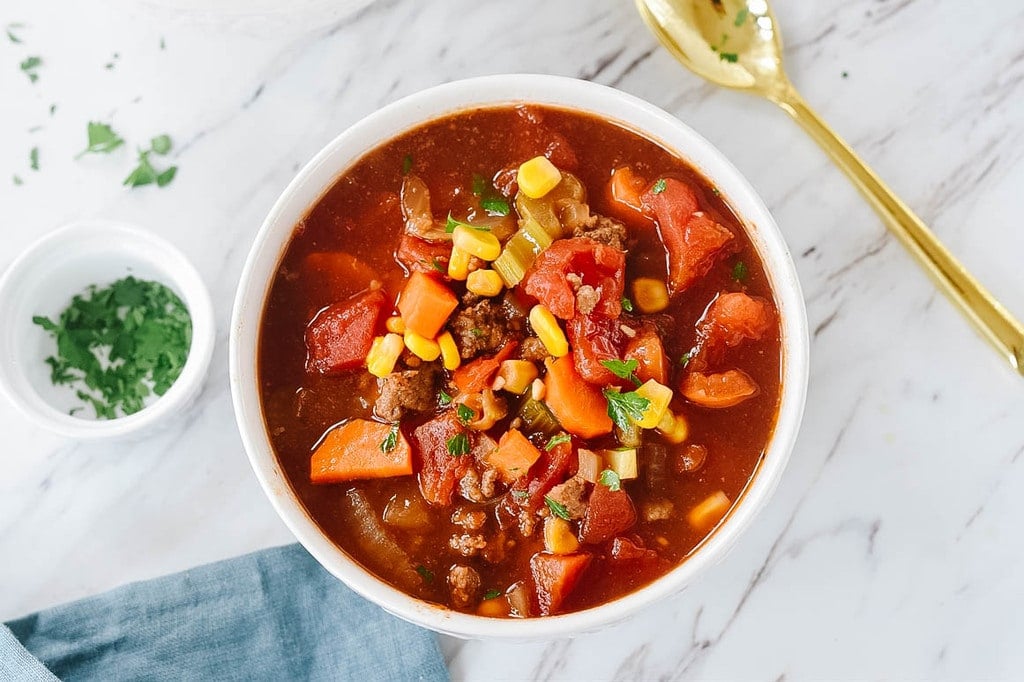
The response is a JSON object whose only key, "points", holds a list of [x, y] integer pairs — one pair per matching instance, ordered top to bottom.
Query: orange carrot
{"points": [[626, 187], [425, 304], [647, 350], [475, 376], [718, 390], [579, 407], [360, 449], [514, 455]]}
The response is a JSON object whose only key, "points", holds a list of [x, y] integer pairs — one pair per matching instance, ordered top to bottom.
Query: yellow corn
{"points": [[537, 177], [479, 243], [458, 264], [484, 283], [651, 295], [395, 325], [550, 334], [421, 346], [384, 354], [450, 357], [517, 375], [658, 397], [674, 428], [622, 462], [708, 512], [558, 537]]}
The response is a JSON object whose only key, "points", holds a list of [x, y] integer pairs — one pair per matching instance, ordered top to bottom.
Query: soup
{"points": [[519, 361]]}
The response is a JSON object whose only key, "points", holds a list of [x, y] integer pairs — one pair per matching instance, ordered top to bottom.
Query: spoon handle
{"points": [[989, 316]]}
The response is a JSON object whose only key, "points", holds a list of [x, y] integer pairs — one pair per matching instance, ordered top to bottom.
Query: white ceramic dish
{"points": [[321, 173], [43, 280]]}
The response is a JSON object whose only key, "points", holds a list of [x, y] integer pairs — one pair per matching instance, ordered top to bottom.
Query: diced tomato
{"points": [[531, 137], [693, 242], [418, 254], [597, 265], [735, 316], [339, 337], [594, 339], [646, 348], [475, 376], [718, 390], [551, 469], [439, 471], [609, 512], [624, 549], [555, 576]]}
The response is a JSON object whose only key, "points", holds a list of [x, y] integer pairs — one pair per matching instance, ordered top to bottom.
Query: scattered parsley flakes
{"points": [[741, 17], [10, 29], [163, 45], [730, 57], [30, 67], [845, 74], [53, 109], [102, 139], [33, 158], [406, 164], [145, 173], [17, 180], [659, 186], [495, 206], [452, 223], [435, 263], [739, 271], [627, 304], [477, 332], [685, 360], [623, 369], [444, 399], [623, 407], [466, 413], [557, 439], [390, 441], [458, 445], [610, 480], [520, 495], [557, 508], [425, 573], [492, 594]]}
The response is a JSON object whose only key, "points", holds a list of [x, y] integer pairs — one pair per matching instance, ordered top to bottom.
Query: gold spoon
{"points": [[736, 43]]}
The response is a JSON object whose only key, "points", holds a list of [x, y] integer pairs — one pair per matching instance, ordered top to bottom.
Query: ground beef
{"points": [[604, 230], [587, 298], [479, 328], [533, 349], [411, 390], [477, 487], [572, 496], [657, 510], [470, 519], [467, 545], [464, 583]]}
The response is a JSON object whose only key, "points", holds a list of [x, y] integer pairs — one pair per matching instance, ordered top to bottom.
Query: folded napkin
{"points": [[270, 615]]}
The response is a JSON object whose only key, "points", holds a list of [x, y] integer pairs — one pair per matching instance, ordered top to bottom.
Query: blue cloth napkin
{"points": [[271, 615]]}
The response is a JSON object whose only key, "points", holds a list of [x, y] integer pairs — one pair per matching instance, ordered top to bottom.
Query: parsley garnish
{"points": [[741, 16], [10, 32], [730, 57], [30, 67], [845, 74], [53, 109], [102, 139], [33, 158], [406, 164], [145, 173], [18, 181], [659, 186], [495, 206], [452, 223], [436, 264], [739, 271], [627, 304], [142, 331], [477, 332], [685, 360], [623, 370], [444, 399], [625, 406], [465, 412], [557, 439], [390, 441], [458, 445], [610, 480], [520, 494], [557, 508], [425, 573], [492, 594]]}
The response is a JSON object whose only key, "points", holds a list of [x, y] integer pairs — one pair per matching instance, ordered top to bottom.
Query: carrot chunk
{"points": [[626, 188], [425, 304], [339, 337], [719, 390], [579, 407], [360, 449], [514, 455], [555, 576]]}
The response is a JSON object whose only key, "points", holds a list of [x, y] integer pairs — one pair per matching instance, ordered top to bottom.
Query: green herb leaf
{"points": [[741, 17], [10, 32], [163, 44], [730, 57], [30, 66], [53, 109], [102, 139], [161, 144], [33, 158], [406, 164], [146, 174], [165, 178], [17, 180], [659, 186], [495, 206], [452, 223], [436, 264], [739, 271], [627, 304], [477, 332], [685, 360], [622, 369], [444, 399], [623, 407], [466, 413], [557, 439], [390, 441], [458, 445], [610, 480], [557, 508], [425, 573], [492, 594]]}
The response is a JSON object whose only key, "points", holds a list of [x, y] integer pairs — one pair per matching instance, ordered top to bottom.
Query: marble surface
{"points": [[892, 548]]}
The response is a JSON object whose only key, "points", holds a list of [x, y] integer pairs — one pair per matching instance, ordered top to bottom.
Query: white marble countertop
{"points": [[892, 548]]}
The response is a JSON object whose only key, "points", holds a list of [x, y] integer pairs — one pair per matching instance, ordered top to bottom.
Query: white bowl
{"points": [[321, 173], [43, 280]]}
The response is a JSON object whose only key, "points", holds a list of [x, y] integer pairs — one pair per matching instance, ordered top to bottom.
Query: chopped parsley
{"points": [[741, 17], [11, 28], [730, 57], [30, 67], [845, 74], [53, 109], [102, 139], [33, 158], [406, 164], [145, 173], [17, 180], [659, 186], [490, 201], [495, 206], [452, 223], [435, 263], [739, 271], [627, 304], [477, 332], [118, 345], [685, 360], [623, 369], [444, 399], [623, 407], [466, 413], [557, 439], [390, 441], [458, 445], [610, 480], [520, 495], [557, 508], [425, 573], [492, 594]]}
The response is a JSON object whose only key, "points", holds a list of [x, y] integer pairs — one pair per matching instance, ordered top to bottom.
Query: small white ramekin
{"points": [[345, 150], [42, 281]]}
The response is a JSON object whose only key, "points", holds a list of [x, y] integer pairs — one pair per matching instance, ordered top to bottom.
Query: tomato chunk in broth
{"points": [[561, 330]]}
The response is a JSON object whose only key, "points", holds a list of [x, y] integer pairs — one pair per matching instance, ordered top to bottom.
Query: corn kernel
{"points": [[537, 177], [479, 243], [458, 264], [484, 283], [651, 295], [395, 325], [550, 334], [421, 346], [383, 355], [450, 357], [517, 375], [658, 397], [674, 428], [622, 462], [710, 511], [558, 537]]}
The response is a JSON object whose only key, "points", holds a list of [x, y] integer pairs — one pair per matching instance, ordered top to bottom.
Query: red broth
{"points": [[488, 554]]}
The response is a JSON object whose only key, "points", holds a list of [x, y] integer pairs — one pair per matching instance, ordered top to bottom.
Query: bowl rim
{"points": [[320, 173], [176, 271]]}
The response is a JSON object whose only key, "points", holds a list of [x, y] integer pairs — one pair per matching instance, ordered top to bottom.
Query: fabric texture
{"points": [[271, 615]]}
